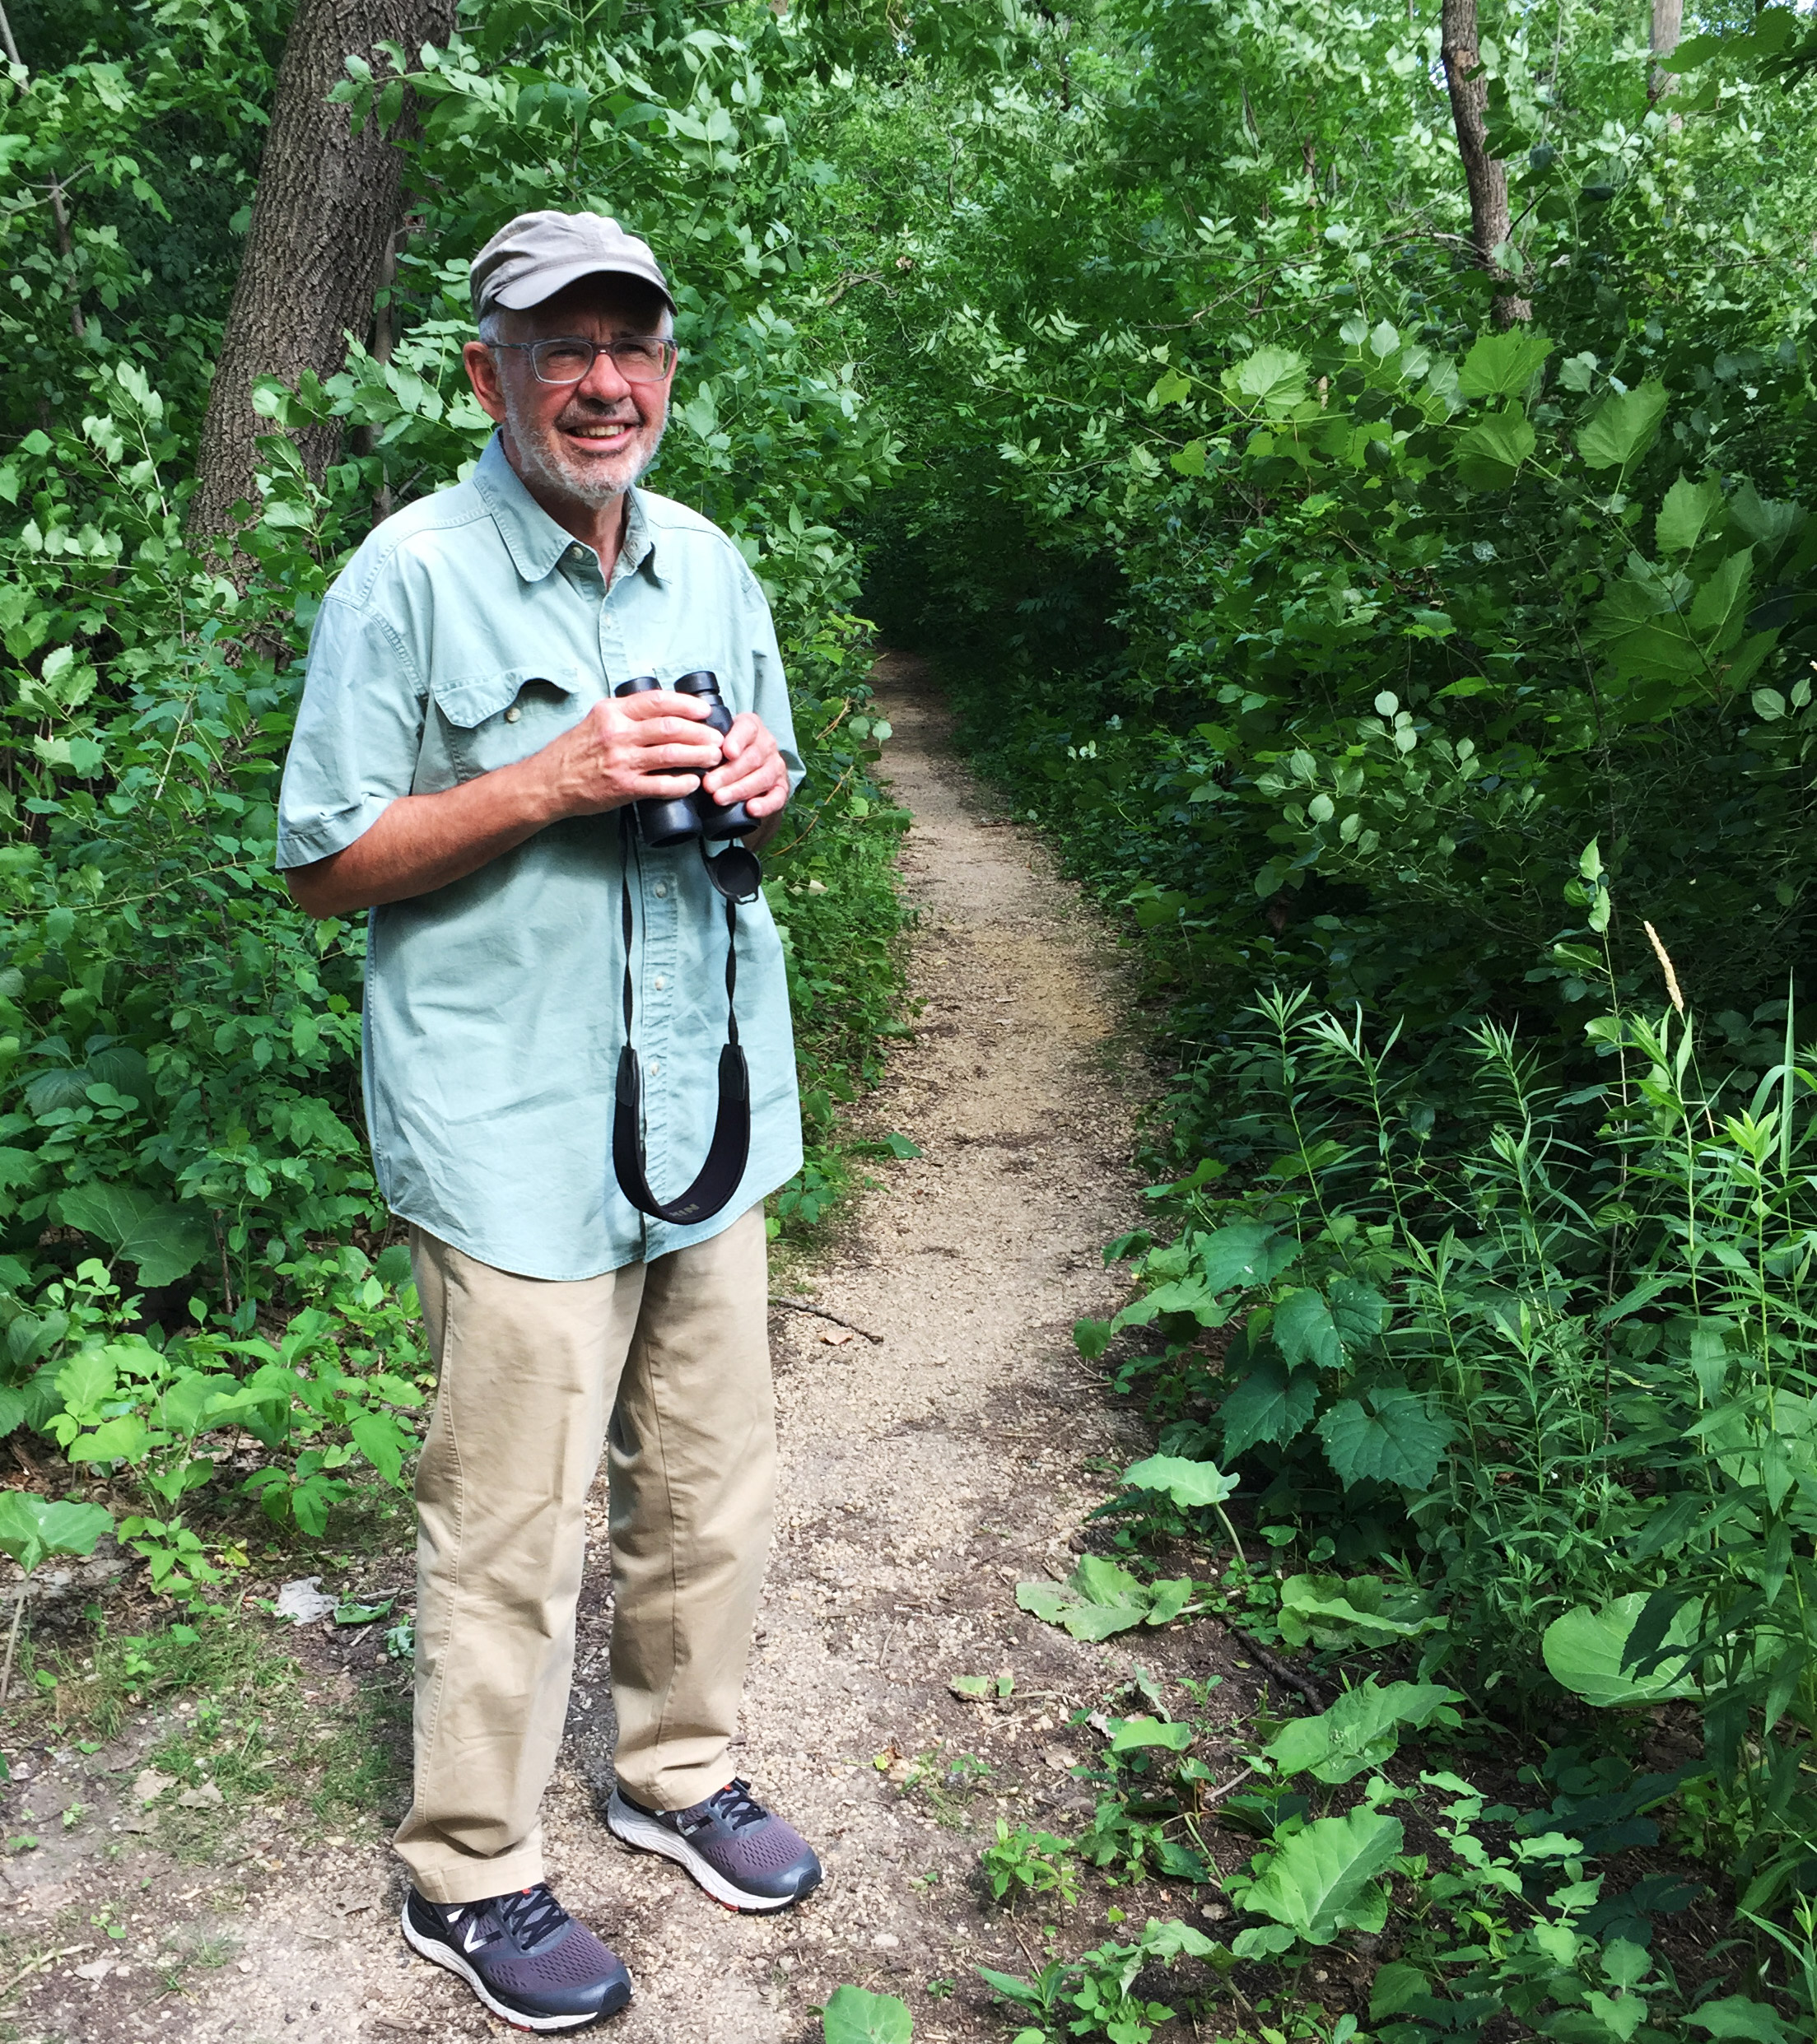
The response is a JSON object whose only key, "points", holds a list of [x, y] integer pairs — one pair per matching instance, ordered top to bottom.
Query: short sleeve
{"points": [[769, 689], [358, 732]]}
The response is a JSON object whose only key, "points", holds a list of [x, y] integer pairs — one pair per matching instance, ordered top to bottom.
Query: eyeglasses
{"points": [[570, 361]]}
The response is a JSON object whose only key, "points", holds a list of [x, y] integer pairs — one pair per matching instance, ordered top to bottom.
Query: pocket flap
{"points": [[471, 699]]}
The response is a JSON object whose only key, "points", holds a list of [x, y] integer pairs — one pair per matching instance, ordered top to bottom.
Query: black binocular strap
{"points": [[726, 1156]]}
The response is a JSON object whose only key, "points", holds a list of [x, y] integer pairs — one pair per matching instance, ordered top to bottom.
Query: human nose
{"points": [[604, 380]]}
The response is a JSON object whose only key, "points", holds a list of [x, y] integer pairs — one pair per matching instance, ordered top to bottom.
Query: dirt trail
{"points": [[924, 1475]]}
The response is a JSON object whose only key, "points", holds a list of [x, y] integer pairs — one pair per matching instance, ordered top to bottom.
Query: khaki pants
{"points": [[674, 1355]]}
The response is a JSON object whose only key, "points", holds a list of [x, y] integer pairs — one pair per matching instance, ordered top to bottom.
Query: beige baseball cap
{"points": [[536, 254]]}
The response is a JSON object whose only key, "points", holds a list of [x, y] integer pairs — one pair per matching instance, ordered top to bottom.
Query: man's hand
{"points": [[628, 748], [752, 771]]}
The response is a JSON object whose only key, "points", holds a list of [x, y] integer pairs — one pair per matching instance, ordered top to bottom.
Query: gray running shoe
{"points": [[740, 1853], [523, 1955]]}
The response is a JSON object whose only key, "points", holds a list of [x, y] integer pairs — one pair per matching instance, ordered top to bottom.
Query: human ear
{"points": [[482, 373]]}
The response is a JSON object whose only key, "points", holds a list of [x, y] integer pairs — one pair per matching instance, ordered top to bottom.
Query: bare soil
{"points": [[926, 1472]]}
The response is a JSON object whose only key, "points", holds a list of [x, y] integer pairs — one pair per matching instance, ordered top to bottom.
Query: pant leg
{"points": [[530, 1369], [692, 1460]]}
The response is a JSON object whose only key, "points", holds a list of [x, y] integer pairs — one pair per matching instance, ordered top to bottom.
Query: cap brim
{"points": [[544, 283]]}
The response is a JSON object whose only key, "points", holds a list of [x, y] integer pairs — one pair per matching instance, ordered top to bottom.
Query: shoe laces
{"points": [[736, 1806], [532, 1915]]}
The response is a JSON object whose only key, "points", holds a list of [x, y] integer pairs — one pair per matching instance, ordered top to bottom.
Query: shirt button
{"points": [[513, 714], [661, 890], [658, 983], [655, 1068]]}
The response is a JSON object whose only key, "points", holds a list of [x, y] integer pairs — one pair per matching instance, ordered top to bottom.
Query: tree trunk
{"points": [[1668, 25], [1487, 179], [327, 206]]}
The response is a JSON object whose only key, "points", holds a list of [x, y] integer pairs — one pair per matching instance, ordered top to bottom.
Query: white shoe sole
{"points": [[645, 1835], [440, 1954]]}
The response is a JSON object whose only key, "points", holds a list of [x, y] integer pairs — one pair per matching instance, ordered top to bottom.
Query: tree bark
{"points": [[1668, 25], [1487, 179], [327, 206]]}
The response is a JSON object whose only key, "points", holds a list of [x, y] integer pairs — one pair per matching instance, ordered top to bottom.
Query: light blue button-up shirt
{"points": [[467, 632]]}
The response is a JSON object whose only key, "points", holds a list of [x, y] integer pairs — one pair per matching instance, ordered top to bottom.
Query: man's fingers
{"points": [[659, 702], [652, 759], [728, 785], [743, 788]]}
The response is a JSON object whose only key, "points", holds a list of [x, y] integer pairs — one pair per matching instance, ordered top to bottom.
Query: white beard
{"points": [[541, 457]]}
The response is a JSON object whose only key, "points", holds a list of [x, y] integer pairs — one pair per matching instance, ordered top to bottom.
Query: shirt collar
{"points": [[532, 538]]}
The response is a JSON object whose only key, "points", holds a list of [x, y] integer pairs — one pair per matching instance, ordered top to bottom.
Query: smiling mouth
{"points": [[602, 433]]}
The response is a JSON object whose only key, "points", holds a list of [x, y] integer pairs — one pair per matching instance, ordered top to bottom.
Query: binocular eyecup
{"points": [[680, 819]]}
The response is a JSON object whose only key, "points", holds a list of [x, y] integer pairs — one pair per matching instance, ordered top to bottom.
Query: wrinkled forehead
{"points": [[597, 308]]}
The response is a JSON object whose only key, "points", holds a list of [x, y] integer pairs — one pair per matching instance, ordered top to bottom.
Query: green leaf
{"points": [[1503, 365], [1273, 379], [1172, 388], [1622, 427], [1489, 454], [1189, 460], [1691, 513], [1768, 525], [1719, 611], [1638, 621], [167, 1242], [1246, 1254], [1359, 1310], [1305, 1331], [1092, 1338], [85, 1380], [1271, 1404], [126, 1438], [1401, 1441], [384, 1443], [1187, 1483], [32, 1527], [1099, 1598], [1330, 1612], [1584, 1649], [975, 1688], [1360, 1730], [1138, 1735], [1321, 1876], [854, 2016], [1736, 2016]]}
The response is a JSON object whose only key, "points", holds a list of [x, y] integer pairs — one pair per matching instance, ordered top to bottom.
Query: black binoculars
{"points": [[677, 819]]}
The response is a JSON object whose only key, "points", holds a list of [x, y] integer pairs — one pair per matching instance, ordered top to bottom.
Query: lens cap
{"points": [[736, 872]]}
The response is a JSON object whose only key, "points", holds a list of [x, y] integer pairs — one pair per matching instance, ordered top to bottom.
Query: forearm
{"points": [[423, 842]]}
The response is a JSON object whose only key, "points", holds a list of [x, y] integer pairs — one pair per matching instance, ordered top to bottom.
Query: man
{"points": [[462, 767]]}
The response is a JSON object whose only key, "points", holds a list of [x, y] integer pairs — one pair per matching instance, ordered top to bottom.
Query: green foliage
{"points": [[178, 1086], [32, 1527], [1100, 1598], [1362, 1611], [1361, 1730], [1023, 1862], [1320, 1880], [1094, 1995], [853, 2015]]}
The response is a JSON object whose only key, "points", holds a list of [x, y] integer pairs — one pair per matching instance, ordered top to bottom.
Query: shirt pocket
{"points": [[485, 721]]}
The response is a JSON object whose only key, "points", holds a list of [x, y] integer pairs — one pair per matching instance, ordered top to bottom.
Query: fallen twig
{"points": [[820, 1313], [13, 1640], [1282, 1672], [1224, 1789], [33, 1966]]}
